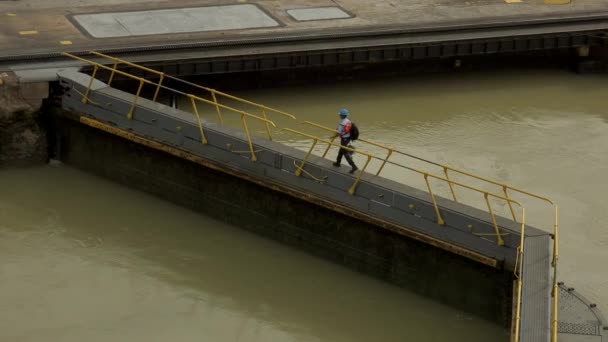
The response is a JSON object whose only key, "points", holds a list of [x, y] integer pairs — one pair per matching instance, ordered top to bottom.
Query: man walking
{"points": [[344, 130]]}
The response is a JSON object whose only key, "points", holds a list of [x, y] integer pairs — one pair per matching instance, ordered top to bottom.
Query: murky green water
{"points": [[83, 259]]}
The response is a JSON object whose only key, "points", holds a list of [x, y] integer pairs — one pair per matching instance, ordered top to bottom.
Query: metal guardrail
{"points": [[213, 92], [194, 99], [265, 110], [505, 188]]}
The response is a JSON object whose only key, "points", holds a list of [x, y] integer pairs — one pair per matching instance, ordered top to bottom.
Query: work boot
{"points": [[336, 164], [353, 169]]}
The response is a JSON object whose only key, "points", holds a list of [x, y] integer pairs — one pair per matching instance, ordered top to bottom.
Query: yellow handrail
{"points": [[193, 99], [264, 109], [330, 143], [389, 149], [426, 175], [518, 274], [555, 292]]}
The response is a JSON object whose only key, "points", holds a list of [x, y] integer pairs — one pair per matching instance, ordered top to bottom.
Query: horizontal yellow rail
{"points": [[193, 99], [264, 110], [330, 143], [388, 149], [426, 176], [518, 275]]}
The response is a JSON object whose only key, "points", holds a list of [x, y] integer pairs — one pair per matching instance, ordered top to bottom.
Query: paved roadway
{"points": [[37, 27]]}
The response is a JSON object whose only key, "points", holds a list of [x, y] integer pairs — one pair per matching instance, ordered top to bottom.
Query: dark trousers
{"points": [[346, 153]]}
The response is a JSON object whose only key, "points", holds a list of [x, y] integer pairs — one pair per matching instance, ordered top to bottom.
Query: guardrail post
{"points": [[112, 74], [162, 76], [141, 85], [85, 98], [217, 108], [198, 118], [266, 124], [329, 146], [390, 151], [253, 156], [301, 167], [445, 171], [354, 186], [504, 189], [440, 220], [499, 238], [520, 257], [555, 293]]}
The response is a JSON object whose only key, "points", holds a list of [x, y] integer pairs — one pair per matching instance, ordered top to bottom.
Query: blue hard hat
{"points": [[343, 112]]}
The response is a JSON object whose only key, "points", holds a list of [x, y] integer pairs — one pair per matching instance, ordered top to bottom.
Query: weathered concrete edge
{"points": [[292, 192]]}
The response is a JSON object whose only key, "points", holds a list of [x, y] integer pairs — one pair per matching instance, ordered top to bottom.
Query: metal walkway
{"points": [[450, 224], [580, 320]]}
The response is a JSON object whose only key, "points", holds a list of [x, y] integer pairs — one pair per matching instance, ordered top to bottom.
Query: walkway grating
{"points": [[536, 290]]}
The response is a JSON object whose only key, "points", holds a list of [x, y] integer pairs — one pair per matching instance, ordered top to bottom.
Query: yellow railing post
{"points": [[112, 74], [162, 76], [85, 98], [217, 108], [130, 115], [198, 118], [266, 124], [329, 145], [390, 151], [253, 156], [301, 167], [445, 171], [354, 186], [504, 189], [440, 220], [556, 239], [501, 242], [520, 254], [555, 290]]}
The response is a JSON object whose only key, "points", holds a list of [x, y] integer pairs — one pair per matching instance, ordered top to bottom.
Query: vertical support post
{"points": [[112, 73], [162, 77], [141, 84], [85, 98], [217, 108], [198, 118], [266, 123], [329, 146], [390, 152], [253, 156], [301, 167], [445, 171], [354, 186], [504, 189], [440, 220], [499, 238], [555, 240], [520, 254], [555, 293]]}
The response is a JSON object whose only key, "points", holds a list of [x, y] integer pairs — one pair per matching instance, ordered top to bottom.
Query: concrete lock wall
{"points": [[23, 140], [449, 278]]}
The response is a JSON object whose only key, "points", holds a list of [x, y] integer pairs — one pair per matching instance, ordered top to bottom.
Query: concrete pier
{"points": [[23, 140], [377, 226], [385, 229]]}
